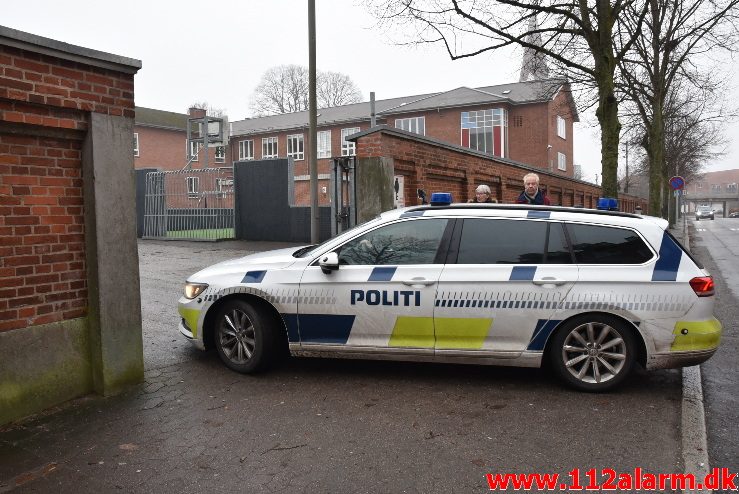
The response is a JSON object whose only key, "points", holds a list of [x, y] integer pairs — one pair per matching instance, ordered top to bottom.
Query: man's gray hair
{"points": [[531, 175], [482, 189]]}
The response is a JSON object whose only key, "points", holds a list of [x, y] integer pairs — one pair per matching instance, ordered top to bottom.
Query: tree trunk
{"points": [[610, 128], [657, 172]]}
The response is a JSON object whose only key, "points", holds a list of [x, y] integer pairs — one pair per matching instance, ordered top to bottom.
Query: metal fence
{"points": [[189, 204]]}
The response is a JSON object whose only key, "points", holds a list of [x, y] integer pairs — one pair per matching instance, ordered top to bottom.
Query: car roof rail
{"points": [[525, 207]]}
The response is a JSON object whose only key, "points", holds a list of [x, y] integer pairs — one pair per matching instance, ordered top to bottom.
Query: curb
{"points": [[693, 423], [694, 440]]}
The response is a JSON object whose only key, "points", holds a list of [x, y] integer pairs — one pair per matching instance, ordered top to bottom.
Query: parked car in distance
{"points": [[704, 212], [735, 214], [592, 293]]}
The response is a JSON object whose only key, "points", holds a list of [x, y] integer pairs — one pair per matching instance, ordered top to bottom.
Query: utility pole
{"points": [[313, 123]]}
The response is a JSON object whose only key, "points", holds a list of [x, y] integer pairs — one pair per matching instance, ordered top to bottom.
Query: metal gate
{"points": [[189, 204]]}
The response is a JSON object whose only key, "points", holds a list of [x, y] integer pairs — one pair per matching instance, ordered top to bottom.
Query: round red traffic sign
{"points": [[677, 183]]}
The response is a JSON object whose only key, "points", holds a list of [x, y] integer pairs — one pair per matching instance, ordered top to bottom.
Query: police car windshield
{"points": [[308, 250]]}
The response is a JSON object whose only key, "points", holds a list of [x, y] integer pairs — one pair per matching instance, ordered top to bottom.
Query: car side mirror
{"points": [[329, 262]]}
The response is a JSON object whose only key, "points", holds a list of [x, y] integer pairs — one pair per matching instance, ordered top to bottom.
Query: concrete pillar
{"points": [[374, 185], [114, 319]]}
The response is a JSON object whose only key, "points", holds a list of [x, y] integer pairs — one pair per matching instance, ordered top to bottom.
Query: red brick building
{"points": [[525, 122], [160, 141]]}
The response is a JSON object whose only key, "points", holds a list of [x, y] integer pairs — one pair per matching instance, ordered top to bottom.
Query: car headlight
{"points": [[192, 290]]}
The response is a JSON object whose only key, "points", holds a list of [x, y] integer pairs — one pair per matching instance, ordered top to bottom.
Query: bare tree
{"points": [[583, 37], [661, 66], [284, 89], [336, 89], [693, 137]]}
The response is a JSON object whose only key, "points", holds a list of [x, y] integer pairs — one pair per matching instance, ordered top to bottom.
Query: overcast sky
{"points": [[217, 51]]}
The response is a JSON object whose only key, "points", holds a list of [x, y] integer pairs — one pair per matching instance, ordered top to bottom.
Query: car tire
{"points": [[245, 338], [593, 352]]}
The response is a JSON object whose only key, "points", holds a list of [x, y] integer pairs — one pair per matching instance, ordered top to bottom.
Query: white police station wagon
{"points": [[592, 292]]}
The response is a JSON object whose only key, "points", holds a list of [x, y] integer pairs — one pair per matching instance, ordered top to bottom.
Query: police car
{"points": [[591, 292]]}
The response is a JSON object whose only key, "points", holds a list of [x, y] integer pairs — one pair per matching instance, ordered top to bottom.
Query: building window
{"points": [[416, 125], [561, 127], [486, 131], [135, 144], [324, 144], [295, 146], [269, 147], [195, 148], [348, 148], [246, 150], [221, 154], [561, 161], [193, 185], [700, 185], [731, 187], [715, 188]]}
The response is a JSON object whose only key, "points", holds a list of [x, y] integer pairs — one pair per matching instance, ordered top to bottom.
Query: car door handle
{"points": [[549, 280], [418, 282]]}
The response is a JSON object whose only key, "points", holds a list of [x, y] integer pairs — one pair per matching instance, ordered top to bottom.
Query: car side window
{"points": [[496, 241], [408, 242], [606, 245], [558, 251]]}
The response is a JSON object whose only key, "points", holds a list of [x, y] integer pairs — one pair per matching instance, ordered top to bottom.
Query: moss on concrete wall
{"points": [[43, 366]]}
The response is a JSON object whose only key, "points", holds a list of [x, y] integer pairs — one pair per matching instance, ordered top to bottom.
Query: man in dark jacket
{"points": [[532, 194]]}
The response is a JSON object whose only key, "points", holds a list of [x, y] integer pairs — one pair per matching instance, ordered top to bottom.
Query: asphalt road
{"points": [[716, 243]]}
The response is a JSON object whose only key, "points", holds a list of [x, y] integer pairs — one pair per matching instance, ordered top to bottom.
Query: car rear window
{"points": [[594, 244]]}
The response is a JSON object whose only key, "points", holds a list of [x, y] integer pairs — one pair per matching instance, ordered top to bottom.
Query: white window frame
{"points": [[484, 121], [412, 124], [561, 127], [293, 141], [267, 142], [135, 143], [324, 144], [348, 148], [194, 149], [246, 150], [220, 154], [561, 161], [193, 186]]}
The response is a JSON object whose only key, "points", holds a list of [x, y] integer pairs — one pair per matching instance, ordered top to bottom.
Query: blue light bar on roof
{"points": [[441, 199], [607, 204]]}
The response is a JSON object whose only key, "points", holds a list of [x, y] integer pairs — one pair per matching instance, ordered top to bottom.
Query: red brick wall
{"points": [[44, 80], [161, 148], [438, 168], [42, 243], [42, 272]]}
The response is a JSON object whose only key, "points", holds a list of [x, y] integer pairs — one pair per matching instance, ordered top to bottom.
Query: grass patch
{"points": [[209, 233]]}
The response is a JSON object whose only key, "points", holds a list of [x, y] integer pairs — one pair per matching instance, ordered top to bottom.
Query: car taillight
{"points": [[702, 286]]}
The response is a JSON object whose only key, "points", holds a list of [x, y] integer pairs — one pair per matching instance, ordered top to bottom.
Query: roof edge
{"points": [[65, 51]]}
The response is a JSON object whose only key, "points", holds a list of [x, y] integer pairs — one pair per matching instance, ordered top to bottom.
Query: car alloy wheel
{"points": [[243, 337], [593, 353]]}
